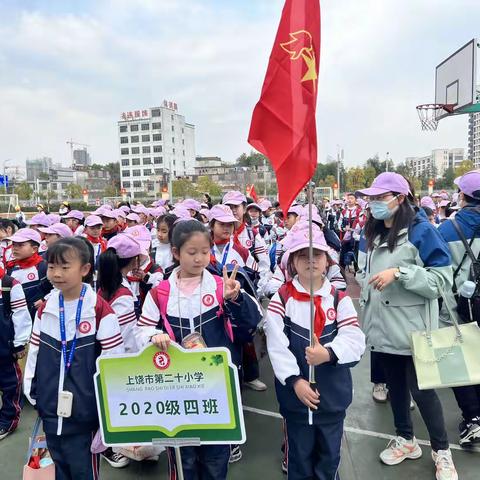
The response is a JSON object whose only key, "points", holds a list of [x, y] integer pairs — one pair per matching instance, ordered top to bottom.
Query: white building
{"points": [[474, 139], [155, 143], [435, 164]]}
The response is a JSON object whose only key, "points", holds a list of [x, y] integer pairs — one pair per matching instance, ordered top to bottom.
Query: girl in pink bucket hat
{"points": [[313, 425]]}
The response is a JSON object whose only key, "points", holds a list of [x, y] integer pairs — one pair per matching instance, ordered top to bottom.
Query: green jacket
{"points": [[390, 316]]}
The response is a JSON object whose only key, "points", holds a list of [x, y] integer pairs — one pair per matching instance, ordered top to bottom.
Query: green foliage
{"points": [[252, 159], [463, 168], [206, 185], [184, 188], [24, 191], [73, 191], [111, 191]]}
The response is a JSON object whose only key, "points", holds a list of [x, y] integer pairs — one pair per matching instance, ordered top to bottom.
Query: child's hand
{"points": [[139, 273], [231, 287], [38, 303], [162, 341], [20, 354], [317, 354], [305, 394]]}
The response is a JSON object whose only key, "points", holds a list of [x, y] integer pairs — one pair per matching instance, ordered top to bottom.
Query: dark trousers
{"points": [[347, 246], [251, 369], [377, 375], [402, 380], [11, 388], [468, 399], [314, 450], [72, 457], [209, 462]]}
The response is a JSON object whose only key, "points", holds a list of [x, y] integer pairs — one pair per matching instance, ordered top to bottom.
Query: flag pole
{"points": [[311, 368], [178, 461]]}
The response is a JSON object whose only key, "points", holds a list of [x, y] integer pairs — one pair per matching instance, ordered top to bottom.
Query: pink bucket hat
{"points": [[387, 182], [469, 184], [437, 195], [444, 196], [234, 197], [427, 202], [159, 203], [444, 203], [192, 204], [254, 205], [265, 205], [124, 208], [141, 209], [296, 209], [99, 210], [159, 211], [181, 212], [205, 212], [120, 213], [222, 213], [75, 214], [108, 214], [133, 217], [315, 217], [54, 218], [39, 219], [93, 220], [58, 229], [141, 234], [25, 235], [299, 238], [125, 246]]}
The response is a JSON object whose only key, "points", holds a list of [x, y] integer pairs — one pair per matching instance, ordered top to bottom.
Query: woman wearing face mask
{"points": [[405, 267]]}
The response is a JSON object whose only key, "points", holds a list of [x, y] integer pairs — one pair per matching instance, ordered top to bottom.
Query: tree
{"points": [[252, 159], [376, 164], [464, 167], [113, 168], [369, 174], [43, 176], [355, 179], [328, 181], [207, 185], [184, 188], [24, 191], [73, 191], [110, 191]]}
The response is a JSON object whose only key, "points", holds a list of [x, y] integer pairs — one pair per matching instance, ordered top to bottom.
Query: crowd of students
{"points": [[76, 286]]}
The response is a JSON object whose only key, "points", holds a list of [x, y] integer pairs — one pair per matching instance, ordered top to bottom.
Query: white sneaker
{"points": [[256, 385], [380, 392], [398, 449], [444, 464]]}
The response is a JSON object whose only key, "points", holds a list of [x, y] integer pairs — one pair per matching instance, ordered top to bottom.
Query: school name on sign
{"points": [[161, 397]]}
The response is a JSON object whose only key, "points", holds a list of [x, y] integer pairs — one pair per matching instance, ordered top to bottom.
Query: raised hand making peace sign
{"points": [[231, 287]]}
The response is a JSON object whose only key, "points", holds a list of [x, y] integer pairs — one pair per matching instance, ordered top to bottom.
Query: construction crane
{"points": [[72, 143]]}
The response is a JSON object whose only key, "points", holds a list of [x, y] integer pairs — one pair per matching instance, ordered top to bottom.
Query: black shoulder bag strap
{"points": [[7, 284]]}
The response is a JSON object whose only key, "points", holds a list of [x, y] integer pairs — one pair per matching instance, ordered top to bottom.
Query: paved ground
{"points": [[368, 428]]}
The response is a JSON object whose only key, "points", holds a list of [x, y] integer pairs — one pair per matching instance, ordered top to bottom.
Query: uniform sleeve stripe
{"points": [[278, 304], [277, 311], [129, 314], [147, 319], [343, 320], [146, 322], [353, 323], [109, 338], [34, 342], [110, 342], [109, 347]]}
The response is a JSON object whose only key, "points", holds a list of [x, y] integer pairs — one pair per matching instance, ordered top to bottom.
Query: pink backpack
{"points": [[163, 294]]}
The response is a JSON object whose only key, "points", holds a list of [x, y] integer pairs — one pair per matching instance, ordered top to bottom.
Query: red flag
{"points": [[283, 123], [251, 192]]}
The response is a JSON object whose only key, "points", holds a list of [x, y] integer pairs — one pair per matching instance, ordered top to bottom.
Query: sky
{"points": [[68, 68]]}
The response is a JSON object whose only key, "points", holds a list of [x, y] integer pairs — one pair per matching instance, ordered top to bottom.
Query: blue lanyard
{"points": [[225, 253], [63, 334]]}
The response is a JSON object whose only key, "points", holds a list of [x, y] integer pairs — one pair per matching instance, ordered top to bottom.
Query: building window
{"points": [[156, 112], [173, 118], [145, 126], [156, 126], [123, 128], [134, 128], [173, 128], [183, 130], [157, 137], [145, 138], [123, 139], [134, 139], [173, 139], [183, 141], [145, 149], [157, 149], [135, 150], [173, 150], [124, 151], [183, 151], [157, 160], [135, 161], [147, 161], [125, 162], [174, 162], [159, 171], [147, 172], [125, 173], [136, 173], [126, 184], [137, 184]]}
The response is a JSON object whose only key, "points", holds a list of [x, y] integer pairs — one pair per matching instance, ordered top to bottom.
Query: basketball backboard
{"points": [[456, 80]]}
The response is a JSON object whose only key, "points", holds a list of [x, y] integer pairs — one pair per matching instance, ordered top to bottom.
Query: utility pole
{"points": [[339, 160], [386, 161]]}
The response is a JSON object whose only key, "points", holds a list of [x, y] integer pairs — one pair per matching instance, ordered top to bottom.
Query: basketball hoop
{"points": [[429, 114]]}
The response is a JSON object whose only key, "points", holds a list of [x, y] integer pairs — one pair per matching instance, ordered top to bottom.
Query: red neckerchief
{"points": [[123, 226], [238, 231], [107, 232], [96, 240], [222, 242], [32, 261], [131, 278], [319, 319]]}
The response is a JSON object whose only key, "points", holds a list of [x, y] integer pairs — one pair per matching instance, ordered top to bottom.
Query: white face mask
{"points": [[63, 210]]}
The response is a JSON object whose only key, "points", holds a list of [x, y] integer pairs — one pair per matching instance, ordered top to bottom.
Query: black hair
{"points": [[470, 200], [121, 204], [276, 204], [428, 211], [279, 214], [198, 216], [402, 218], [168, 219], [6, 223], [184, 230], [60, 251], [109, 272], [88, 278]]}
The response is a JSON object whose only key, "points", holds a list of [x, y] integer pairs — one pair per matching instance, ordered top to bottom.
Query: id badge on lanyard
{"points": [[65, 398]]}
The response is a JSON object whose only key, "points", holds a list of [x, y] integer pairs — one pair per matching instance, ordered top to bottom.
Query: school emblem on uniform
{"points": [[248, 243], [233, 262], [31, 276], [208, 300], [331, 314], [84, 327], [161, 360]]}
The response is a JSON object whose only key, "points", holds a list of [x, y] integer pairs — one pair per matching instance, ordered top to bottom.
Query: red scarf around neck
{"points": [[238, 231], [96, 240], [222, 242], [32, 261], [131, 278], [319, 319]]}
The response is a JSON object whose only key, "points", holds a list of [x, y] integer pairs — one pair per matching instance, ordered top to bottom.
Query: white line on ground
{"points": [[358, 431]]}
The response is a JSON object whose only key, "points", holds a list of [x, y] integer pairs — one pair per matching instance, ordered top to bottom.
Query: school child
{"points": [[193, 207], [142, 212], [254, 213], [205, 216], [74, 219], [121, 219], [133, 219], [36, 222], [110, 224], [7, 229], [55, 232], [162, 253], [29, 268], [192, 300], [15, 329], [70, 330], [314, 417]]}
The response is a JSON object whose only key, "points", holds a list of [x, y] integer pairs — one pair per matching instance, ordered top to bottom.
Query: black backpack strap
{"points": [[468, 249], [7, 284], [335, 299]]}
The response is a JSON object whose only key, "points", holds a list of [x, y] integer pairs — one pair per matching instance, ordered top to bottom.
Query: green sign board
{"points": [[177, 397]]}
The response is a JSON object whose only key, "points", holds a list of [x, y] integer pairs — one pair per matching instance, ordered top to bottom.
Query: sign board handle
{"points": [[178, 458]]}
